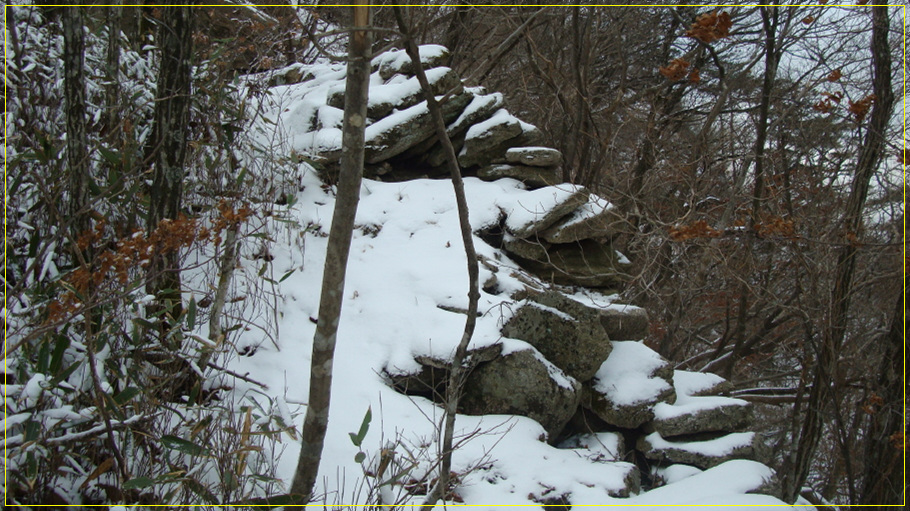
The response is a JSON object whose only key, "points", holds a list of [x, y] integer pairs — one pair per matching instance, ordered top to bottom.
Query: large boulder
{"points": [[397, 133], [541, 208], [595, 219], [625, 322], [577, 344], [524, 383], [628, 385], [704, 453]]}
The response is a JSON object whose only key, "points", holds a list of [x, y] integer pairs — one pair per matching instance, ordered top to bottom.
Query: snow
{"points": [[395, 59], [479, 102], [483, 129], [595, 206], [531, 207], [625, 377], [689, 383], [688, 405], [717, 447]]}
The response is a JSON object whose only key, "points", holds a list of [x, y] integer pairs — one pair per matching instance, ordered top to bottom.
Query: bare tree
{"points": [[827, 372], [316, 421]]}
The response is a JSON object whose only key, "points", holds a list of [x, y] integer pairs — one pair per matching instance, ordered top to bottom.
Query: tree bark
{"points": [[74, 102], [355, 113], [169, 146], [826, 370], [458, 371], [883, 477]]}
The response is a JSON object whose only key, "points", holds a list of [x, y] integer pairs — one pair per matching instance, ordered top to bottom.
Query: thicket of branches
{"points": [[755, 151]]}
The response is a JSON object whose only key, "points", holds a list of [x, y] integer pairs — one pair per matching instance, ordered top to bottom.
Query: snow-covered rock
{"points": [[534, 156], [541, 208], [595, 219], [522, 382], [628, 385], [704, 453]]}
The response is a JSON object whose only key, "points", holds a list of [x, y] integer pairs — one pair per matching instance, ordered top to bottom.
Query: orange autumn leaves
{"points": [[707, 28], [110, 270]]}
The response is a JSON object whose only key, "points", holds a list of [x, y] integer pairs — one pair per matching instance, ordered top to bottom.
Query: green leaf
{"points": [[113, 157], [238, 183], [286, 275], [191, 313], [60, 345], [65, 374], [126, 395], [364, 427], [184, 446], [359, 457], [137, 483]]}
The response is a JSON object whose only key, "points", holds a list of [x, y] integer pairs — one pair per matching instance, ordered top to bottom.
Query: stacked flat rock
{"points": [[401, 142], [562, 233]]}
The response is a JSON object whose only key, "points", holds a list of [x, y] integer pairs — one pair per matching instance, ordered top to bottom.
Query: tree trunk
{"points": [[74, 102], [355, 113], [168, 147], [826, 371], [883, 481]]}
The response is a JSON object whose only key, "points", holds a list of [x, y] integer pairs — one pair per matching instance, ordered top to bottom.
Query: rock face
{"points": [[574, 344], [522, 383], [692, 415]]}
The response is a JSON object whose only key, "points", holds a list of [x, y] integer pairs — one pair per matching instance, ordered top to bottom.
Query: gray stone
{"points": [[397, 61], [394, 135], [484, 152], [534, 156], [533, 177], [547, 206], [596, 219], [585, 263], [627, 324], [577, 344], [433, 377], [522, 383], [628, 385], [719, 414], [617, 415], [703, 454]]}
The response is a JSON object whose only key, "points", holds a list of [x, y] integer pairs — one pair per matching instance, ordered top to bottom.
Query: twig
{"points": [[237, 375]]}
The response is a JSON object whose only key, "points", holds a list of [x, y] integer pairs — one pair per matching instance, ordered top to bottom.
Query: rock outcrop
{"points": [[577, 365]]}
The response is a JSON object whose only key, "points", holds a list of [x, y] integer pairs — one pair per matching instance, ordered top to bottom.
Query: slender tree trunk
{"points": [[112, 60], [74, 102], [355, 113], [169, 145], [458, 371], [826, 371]]}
